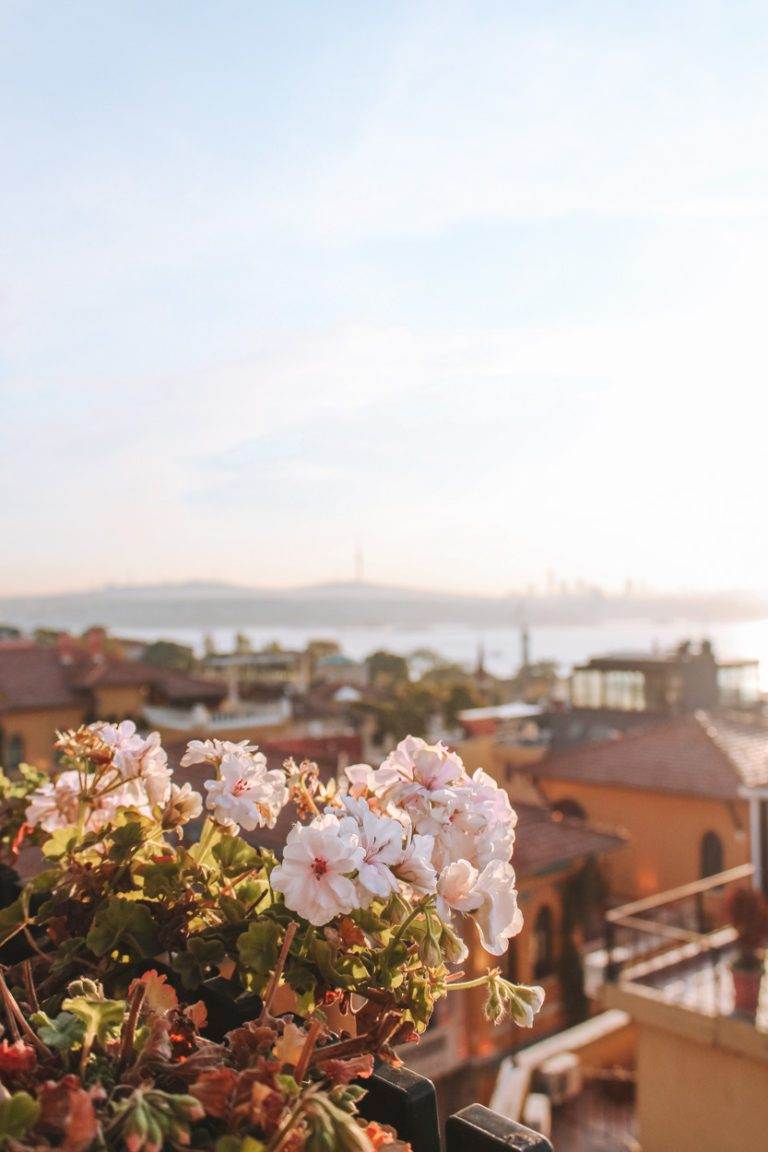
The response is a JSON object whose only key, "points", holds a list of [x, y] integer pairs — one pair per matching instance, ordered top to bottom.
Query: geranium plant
{"points": [[356, 931]]}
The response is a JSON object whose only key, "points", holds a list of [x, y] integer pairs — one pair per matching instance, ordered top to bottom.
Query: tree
{"points": [[173, 657], [385, 666]]}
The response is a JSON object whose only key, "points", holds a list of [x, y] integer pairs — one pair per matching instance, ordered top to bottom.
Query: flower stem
{"points": [[415, 911], [274, 980]]}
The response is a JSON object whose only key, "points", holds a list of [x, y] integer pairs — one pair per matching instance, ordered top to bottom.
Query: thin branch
{"points": [[274, 980], [29, 984], [17, 1017], [129, 1025], [300, 1070]]}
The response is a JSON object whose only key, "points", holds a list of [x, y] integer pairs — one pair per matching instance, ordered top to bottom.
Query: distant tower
{"points": [[358, 564], [525, 648], [480, 666]]}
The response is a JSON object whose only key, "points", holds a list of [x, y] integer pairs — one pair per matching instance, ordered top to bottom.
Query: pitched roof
{"points": [[33, 676], [40, 676], [705, 755], [545, 840]]}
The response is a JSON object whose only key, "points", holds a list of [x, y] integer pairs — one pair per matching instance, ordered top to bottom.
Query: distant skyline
{"points": [[474, 289]]}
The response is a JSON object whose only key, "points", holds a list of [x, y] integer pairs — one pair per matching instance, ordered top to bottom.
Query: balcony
{"points": [[701, 1061]]}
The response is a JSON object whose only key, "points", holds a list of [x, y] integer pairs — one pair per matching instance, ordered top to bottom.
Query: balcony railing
{"points": [[200, 718], [678, 942]]}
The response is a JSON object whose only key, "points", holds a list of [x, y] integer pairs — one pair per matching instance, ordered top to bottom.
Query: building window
{"points": [[587, 689], [625, 691], [14, 751], [711, 855], [543, 944]]}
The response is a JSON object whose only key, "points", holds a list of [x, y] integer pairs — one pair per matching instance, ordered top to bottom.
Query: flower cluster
{"points": [[245, 794], [420, 824], [364, 906]]}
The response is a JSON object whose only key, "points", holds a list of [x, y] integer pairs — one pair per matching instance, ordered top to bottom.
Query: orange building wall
{"points": [[116, 703], [38, 728], [665, 833]]}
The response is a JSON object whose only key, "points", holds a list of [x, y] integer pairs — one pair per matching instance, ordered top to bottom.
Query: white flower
{"points": [[212, 751], [141, 761], [419, 777], [362, 779], [246, 793], [56, 803], [183, 805], [479, 825], [381, 839], [416, 867], [315, 874], [456, 889], [490, 896], [498, 917]]}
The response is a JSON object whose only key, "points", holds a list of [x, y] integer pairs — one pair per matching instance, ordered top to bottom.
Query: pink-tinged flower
{"points": [[212, 751], [141, 761], [420, 777], [362, 779], [246, 793], [57, 803], [183, 805], [479, 826], [381, 839], [318, 862], [416, 867], [456, 889], [489, 896], [498, 917]]}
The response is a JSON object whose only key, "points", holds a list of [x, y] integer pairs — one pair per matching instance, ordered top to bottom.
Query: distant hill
{"points": [[204, 604]]}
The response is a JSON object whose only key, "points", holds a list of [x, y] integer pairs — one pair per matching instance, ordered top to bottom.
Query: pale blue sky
{"points": [[479, 285]]}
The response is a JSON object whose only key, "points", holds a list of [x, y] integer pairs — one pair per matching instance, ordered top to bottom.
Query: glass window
{"points": [[738, 684], [587, 689], [625, 691], [14, 753], [711, 855]]}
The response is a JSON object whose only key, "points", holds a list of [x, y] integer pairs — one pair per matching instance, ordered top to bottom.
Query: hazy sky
{"points": [[481, 286]]}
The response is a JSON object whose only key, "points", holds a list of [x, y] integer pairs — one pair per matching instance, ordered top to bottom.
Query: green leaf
{"points": [[125, 839], [59, 843], [235, 856], [162, 879], [11, 919], [124, 922], [258, 949], [200, 953], [342, 971], [100, 1017], [63, 1033], [18, 1114], [239, 1144]]}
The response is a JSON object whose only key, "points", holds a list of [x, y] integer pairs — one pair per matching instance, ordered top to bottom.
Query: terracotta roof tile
{"points": [[32, 676], [698, 755], [545, 840]]}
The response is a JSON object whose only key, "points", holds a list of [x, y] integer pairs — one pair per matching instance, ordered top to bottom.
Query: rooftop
{"points": [[44, 676], [703, 755], [548, 840]]}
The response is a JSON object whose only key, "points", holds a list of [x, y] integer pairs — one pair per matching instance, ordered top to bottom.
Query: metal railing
{"points": [[677, 940]]}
